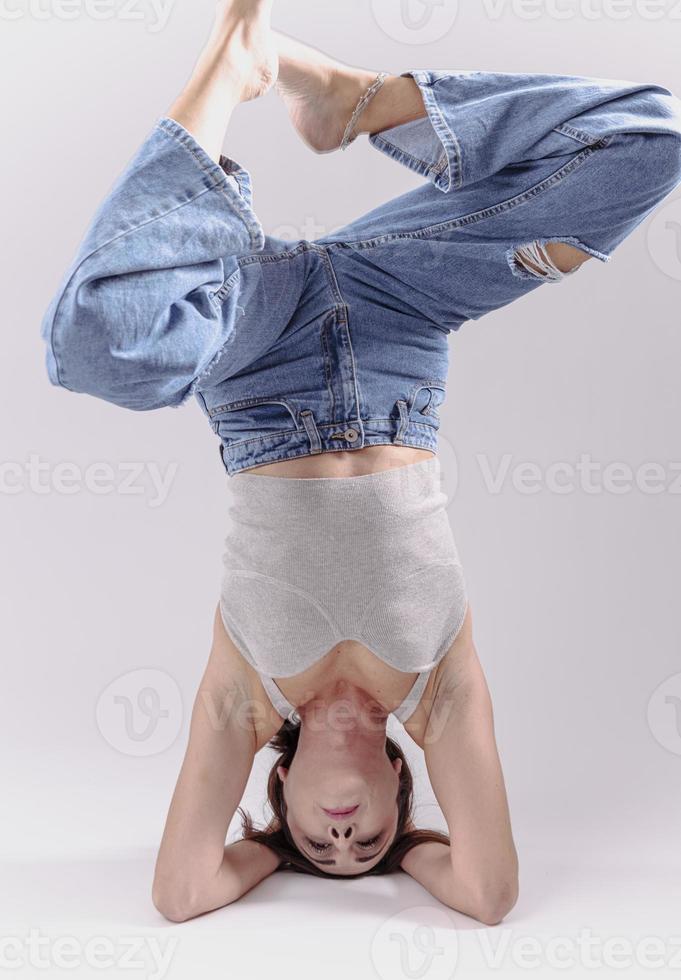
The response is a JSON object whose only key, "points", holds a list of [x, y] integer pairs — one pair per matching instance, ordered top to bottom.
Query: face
{"points": [[336, 770]]}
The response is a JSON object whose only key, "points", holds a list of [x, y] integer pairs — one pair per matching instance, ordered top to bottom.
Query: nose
{"points": [[341, 833]]}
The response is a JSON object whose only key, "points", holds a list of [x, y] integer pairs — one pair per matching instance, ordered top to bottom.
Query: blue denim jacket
{"points": [[292, 348]]}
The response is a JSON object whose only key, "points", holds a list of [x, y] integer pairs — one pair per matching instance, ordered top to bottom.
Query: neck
{"points": [[341, 713]]}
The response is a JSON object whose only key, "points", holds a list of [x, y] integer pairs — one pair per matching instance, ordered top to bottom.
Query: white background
{"points": [[575, 595]]}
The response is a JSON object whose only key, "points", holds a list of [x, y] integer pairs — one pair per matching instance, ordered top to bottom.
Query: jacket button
{"points": [[351, 434]]}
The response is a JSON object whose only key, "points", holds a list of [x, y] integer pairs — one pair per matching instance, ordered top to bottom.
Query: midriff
{"points": [[344, 463]]}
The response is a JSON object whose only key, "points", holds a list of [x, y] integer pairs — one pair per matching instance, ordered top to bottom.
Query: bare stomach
{"points": [[353, 462]]}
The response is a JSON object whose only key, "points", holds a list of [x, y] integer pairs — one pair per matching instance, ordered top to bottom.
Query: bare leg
{"points": [[238, 63]]}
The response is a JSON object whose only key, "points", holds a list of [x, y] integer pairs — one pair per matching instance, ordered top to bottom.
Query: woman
{"points": [[321, 366]]}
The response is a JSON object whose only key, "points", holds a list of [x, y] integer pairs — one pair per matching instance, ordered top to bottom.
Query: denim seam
{"points": [[566, 130], [449, 141], [395, 151], [214, 171], [487, 212], [292, 253], [221, 294], [342, 308], [326, 359], [205, 373], [257, 400], [254, 402], [280, 432], [414, 443], [274, 455]]}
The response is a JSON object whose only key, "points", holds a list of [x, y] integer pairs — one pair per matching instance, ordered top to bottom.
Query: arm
{"points": [[195, 872], [478, 873]]}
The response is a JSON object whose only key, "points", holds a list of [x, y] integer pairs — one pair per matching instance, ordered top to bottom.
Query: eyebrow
{"points": [[362, 860]]}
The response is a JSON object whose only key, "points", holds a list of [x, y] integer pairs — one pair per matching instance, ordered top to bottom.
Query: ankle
{"points": [[348, 86], [399, 101]]}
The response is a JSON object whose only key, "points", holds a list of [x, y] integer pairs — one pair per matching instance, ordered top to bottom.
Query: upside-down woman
{"points": [[321, 366]]}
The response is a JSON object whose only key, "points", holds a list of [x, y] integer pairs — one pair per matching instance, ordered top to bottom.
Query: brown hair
{"points": [[277, 836]]}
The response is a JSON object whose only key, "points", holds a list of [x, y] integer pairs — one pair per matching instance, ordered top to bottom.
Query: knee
{"points": [[546, 260]]}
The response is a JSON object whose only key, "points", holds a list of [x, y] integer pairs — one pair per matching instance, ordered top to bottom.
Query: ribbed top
{"points": [[313, 561]]}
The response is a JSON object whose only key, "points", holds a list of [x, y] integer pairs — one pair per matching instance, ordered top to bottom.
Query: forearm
{"points": [[245, 864], [431, 865], [194, 870], [479, 874]]}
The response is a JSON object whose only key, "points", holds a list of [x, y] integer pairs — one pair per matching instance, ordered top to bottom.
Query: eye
{"points": [[321, 848]]}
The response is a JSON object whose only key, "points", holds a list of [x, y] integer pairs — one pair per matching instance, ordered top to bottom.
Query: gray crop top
{"points": [[309, 562]]}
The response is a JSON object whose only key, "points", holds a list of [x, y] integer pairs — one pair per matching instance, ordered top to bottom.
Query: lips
{"points": [[341, 813]]}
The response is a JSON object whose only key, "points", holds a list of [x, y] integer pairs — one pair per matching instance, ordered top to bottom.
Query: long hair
{"points": [[277, 836]]}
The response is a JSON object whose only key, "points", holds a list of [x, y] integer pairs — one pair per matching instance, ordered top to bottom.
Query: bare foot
{"points": [[243, 41], [320, 93]]}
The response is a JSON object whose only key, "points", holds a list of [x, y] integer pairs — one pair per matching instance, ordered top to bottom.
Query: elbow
{"points": [[495, 902], [176, 903]]}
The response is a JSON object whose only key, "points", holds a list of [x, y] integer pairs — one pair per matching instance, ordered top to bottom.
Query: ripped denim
{"points": [[296, 348]]}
